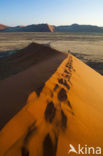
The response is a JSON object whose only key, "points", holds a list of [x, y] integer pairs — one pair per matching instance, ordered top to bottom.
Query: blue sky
{"points": [[57, 12]]}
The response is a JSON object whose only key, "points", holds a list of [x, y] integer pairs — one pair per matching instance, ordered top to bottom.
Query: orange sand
{"points": [[75, 90]]}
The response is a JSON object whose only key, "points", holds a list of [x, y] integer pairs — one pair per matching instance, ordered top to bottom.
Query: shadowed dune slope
{"points": [[24, 58], [39, 62], [69, 110]]}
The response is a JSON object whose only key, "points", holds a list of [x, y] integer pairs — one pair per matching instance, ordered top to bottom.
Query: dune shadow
{"points": [[23, 73]]}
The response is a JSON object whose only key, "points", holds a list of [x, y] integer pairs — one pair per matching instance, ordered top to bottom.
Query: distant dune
{"points": [[2, 27], [30, 28], [51, 28], [66, 109]]}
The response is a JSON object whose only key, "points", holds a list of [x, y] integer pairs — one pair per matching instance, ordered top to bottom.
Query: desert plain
{"points": [[86, 46]]}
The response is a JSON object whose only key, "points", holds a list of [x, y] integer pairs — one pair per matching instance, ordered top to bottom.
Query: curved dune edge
{"points": [[30, 69], [69, 110]]}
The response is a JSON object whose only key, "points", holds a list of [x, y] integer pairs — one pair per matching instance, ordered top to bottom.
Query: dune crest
{"points": [[67, 110]]}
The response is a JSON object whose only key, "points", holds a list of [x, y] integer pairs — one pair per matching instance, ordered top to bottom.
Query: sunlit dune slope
{"points": [[69, 110]]}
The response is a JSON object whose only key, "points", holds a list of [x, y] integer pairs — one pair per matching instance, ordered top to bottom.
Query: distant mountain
{"points": [[2, 27], [30, 28], [50, 28], [78, 28]]}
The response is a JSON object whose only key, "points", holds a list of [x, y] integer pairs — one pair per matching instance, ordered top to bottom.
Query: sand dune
{"points": [[2, 27], [28, 28], [24, 58], [27, 70], [67, 110]]}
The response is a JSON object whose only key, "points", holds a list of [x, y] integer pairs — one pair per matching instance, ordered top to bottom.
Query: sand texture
{"points": [[67, 110]]}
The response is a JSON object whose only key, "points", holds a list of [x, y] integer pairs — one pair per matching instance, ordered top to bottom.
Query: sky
{"points": [[54, 12]]}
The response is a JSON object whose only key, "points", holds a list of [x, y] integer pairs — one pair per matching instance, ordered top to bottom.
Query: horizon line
{"points": [[50, 24]]}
